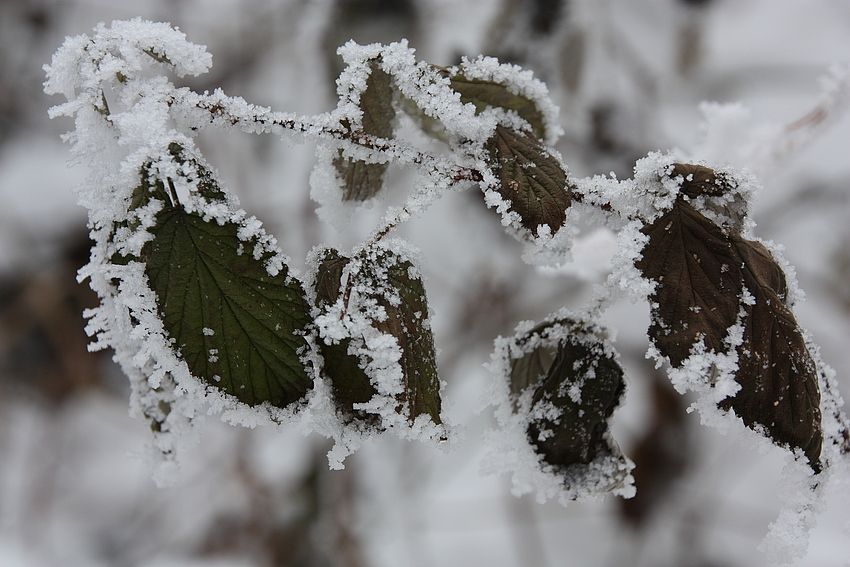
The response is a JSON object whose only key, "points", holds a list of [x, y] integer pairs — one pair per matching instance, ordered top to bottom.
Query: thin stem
{"points": [[250, 118]]}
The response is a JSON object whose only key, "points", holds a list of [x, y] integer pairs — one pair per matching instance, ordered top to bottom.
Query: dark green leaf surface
{"points": [[488, 93], [530, 178], [363, 180], [204, 277], [407, 322]]}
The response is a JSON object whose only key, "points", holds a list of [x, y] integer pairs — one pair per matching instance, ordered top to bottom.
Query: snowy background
{"points": [[630, 77]]}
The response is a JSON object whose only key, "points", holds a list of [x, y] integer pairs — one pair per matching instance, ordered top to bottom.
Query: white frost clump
{"points": [[518, 81], [509, 450]]}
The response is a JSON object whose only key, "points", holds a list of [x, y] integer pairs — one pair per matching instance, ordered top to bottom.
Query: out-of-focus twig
{"points": [[832, 103]]}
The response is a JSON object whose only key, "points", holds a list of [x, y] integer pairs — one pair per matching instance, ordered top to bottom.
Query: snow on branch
{"points": [[206, 316]]}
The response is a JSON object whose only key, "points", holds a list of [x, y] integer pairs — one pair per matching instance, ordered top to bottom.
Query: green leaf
{"points": [[485, 94], [530, 178], [361, 180], [381, 276], [698, 282], [409, 323], [238, 328], [580, 377], [778, 378]]}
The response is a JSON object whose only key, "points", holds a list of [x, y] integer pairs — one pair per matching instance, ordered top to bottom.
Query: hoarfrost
{"points": [[518, 81], [128, 120], [117, 147], [355, 317], [711, 376], [509, 449]]}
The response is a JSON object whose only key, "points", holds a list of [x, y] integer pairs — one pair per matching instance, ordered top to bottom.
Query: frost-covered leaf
{"points": [[485, 94], [428, 124], [530, 178], [363, 180], [701, 180], [717, 192], [701, 274], [329, 276], [698, 282], [390, 295], [409, 322], [238, 328], [778, 378], [349, 381], [558, 384], [583, 384]]}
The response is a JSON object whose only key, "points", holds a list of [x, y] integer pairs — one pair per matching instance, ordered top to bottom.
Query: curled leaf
{"points": [[531, 179], [361, 180], [701, 180], [717, 192], [385, 291], [564, 384], [584, 384]]}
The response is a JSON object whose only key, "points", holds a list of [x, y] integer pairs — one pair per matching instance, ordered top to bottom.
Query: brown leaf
{"points": [[530, 178], [363, 180], [701, 180], [700, 273], [698, 282], [778, 378]]}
